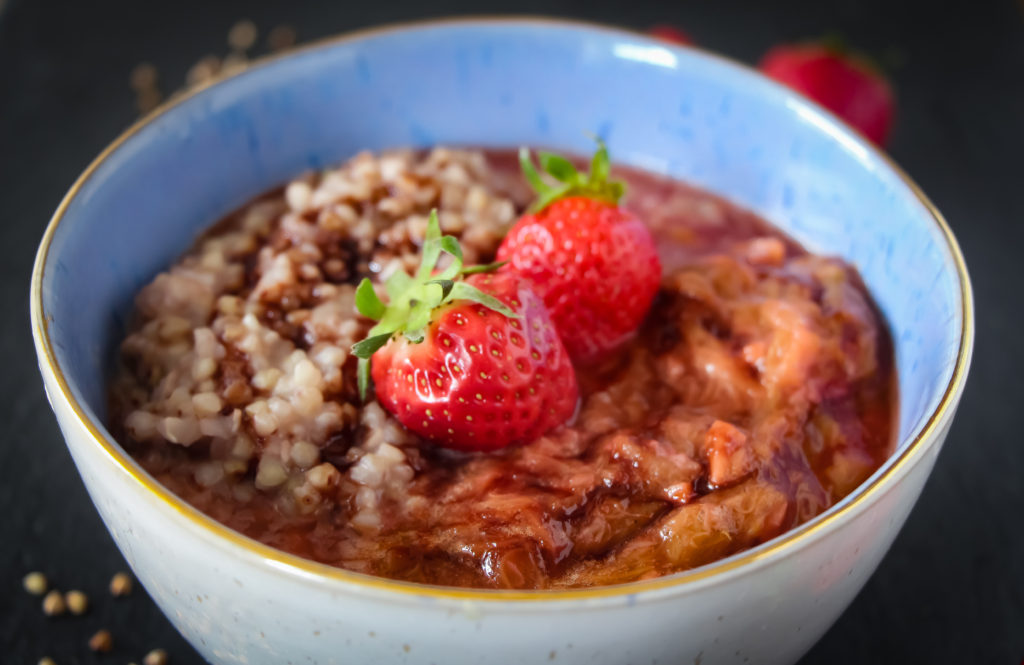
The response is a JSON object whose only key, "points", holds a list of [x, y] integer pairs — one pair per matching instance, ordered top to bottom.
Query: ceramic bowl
{"points": [[673, 110]]}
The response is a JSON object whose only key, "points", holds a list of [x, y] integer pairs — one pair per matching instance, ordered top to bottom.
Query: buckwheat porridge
{"points": [[756, 391]]}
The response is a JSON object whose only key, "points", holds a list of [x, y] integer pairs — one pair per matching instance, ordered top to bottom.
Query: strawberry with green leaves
{"points": [[593, 262], [465, 357]]}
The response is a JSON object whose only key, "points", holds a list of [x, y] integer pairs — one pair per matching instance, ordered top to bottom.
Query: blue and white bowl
{"points": [[672, 110]]}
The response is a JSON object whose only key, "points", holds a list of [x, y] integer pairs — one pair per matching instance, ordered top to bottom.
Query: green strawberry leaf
{"points": [[600, 164], [560, 167], [530, 171], [571, 182], [433, 232], [451, 245], [431, 253], [485, 267], [397, 284], [445, 284], [464, 291], [367, 302], [370, 345], [363, 377]]}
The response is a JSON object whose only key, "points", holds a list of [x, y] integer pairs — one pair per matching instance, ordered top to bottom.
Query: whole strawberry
{"points": [[844, 84], [593, 262], [471, 364]]}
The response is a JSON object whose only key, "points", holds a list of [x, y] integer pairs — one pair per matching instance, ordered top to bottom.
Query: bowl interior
{"points": [[675, 111]]}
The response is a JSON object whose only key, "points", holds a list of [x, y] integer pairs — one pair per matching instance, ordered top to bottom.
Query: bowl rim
{"points": [[911, 453]]}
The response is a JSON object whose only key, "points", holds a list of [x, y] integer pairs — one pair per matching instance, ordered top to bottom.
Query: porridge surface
{"points": [[757, 394]]}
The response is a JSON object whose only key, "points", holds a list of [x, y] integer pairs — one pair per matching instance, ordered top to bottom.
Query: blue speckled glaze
{"points": [[670, 110]]}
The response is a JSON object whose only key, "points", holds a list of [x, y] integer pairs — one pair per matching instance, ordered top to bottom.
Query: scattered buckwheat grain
{"points": [[242, 35], [281, 37], [233, 62], [203, 71], [143, 77], [143, 80], [148, 100], [35, 583], [120, 584], [76, 601], [53, 604], [101, 642], [155, 657]]}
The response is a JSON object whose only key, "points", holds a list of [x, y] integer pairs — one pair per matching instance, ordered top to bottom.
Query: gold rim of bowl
{"points": [[903, 458]]}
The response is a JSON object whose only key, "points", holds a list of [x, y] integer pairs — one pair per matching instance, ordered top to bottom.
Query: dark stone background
{"points": [[952, 588]]}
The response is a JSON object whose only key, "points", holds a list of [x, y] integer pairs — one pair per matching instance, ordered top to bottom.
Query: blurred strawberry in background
{"points": [[670, 33], [846, 84]]}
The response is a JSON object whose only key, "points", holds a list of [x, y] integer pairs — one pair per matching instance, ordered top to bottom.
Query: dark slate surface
{"points": [[952, 588]]}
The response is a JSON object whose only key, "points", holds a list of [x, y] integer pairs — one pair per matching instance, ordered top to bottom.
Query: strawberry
{"points": [[670, 34], [847, 85], [593, 262], [471, 364]]}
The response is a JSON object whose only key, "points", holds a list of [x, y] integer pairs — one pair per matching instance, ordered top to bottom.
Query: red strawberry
{"points": [[670, 33], [846, 85], [594, 263], [471, 365]]}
